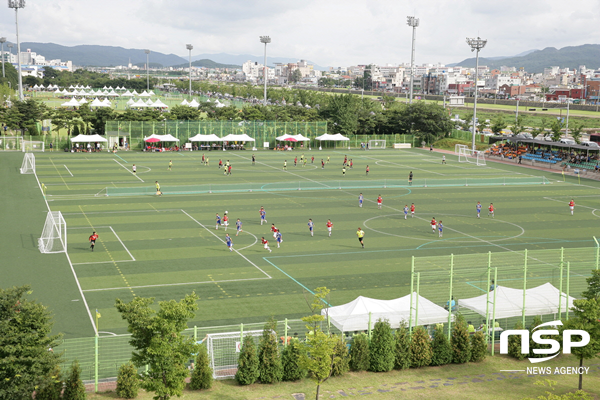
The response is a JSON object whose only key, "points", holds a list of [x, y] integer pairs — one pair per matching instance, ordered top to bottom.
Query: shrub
{"points": [[514, 344], [533, 345], [402, 347], [461, 347], [478, 347], [420, 348], [381, 349], [442, 351], [359, 353], [290, 361], [269, 363], [341, 363], [247, 372], [202, 373], [128, 382], [51, 386], [74, 388]]}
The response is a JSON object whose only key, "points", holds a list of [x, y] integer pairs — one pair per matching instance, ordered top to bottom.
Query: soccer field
{"points": [[167, 246]]}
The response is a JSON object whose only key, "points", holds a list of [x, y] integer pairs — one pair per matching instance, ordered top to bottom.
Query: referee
{"points": [[361, 234]]}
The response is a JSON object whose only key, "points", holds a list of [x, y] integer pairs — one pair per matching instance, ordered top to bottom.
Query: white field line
{"points": [[67, 169], [127, 169], [567, 204], [123, 212], [222, 241], [123, 244], [103, 262], [175, 284]]}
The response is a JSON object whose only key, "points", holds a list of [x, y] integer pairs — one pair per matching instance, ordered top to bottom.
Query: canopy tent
{"points": [[127, 94], [144, 94], [83, 100], [130, 102], [149, 102], [71, 103], [96, 103], [106, 103], [139, 103], [184, 103], [194, 103], [159, 104], [284, 137], [161, 138], [169, 138], [205, 138], [237, 138], [301, 138], [88, 139], [540, 300], [354, 316]]}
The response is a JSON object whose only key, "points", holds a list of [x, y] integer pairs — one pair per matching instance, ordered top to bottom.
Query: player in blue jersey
{"points": [[360, 200], [478, 210], [405, 211], [263, 215], [218, 223], [311, 225], [238, 227], [440, 228], [278, 238], [229, 242]]}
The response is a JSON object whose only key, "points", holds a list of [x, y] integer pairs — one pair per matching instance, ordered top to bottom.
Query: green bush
{"points": [[514, 344], [533, 345], [461, 346], [402, 347], [478, 347], [420, 348], [381, 349], [442, 351], [359, 353], [290, 360], [269, 363], [341, 363], [248, 371], [202, 374], [128, 382], [51, 386], [74, 387]]}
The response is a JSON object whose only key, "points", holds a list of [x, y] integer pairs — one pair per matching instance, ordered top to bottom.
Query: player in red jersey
{"points": [[295, 161], [379, 201], [572, 206], [412, 210], [491, 210], [225, 220], [433, 224], [329, 226], [274, 230], [93, 238], [265, 243]]}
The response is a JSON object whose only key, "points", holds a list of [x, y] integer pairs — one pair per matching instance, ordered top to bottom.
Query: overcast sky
{"points": [[327, 32]]}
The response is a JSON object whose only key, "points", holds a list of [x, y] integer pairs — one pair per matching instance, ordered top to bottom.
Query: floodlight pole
{"points": [[16, 4], [414, 22], [265, 40], [2, 41], [476, 45], [190, 47], [147, 51]]}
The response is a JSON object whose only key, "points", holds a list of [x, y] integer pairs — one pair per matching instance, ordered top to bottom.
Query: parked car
{"points": [[525, 135], [567, 141], [593, 145]]}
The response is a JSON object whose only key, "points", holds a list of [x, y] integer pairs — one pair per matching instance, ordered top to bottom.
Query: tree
{"points": [[295, 76], [99, 118], [498, 124], [519, 125], [556, 127], [576, 130], [593, 290], [460, 341], [159, 343], [514, 344], [26, 346], [402, 347], [478, 347], [381, 348], [420, 348], [442, 351], [359, 353], [290, 360], [269, 363], [341, 364], [248, 365], [202, 375], [128, 382], [51, 387], [74, 387]]}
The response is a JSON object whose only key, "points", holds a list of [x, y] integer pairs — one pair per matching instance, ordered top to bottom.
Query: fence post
{"points": [[597, 251], [412, 281], [524, 288], [560, 292], [451, 297], [487, 299], [567, 299], [417, 300], [494, 311], [195, 333], [285, 334], [241, 335], [96, 364]]}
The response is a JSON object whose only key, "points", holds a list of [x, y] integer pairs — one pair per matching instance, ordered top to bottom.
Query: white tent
{"points": [[127, 94], [144, 94], [83, 100], [130, 102], [149, 102], [184, 102], [71, 103], [96, 103], [107, 103], [139, 103], [193, 103], [159, 104], [284, 137], [168, 138], [205, 138], [237, 138], [301, 138], [88, 139], [540, 300], [354, 316]]}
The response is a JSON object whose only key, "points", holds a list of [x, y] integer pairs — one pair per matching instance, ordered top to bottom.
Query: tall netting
{"points": [[10, 143], [31, 145], [28, 165], [54, 235], [224, 350]]}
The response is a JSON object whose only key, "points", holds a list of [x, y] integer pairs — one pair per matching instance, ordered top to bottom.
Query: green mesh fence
{"points": [[325, 185]]}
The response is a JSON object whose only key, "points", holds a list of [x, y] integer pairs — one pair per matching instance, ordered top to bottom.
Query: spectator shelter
{"points": [[338, 137], [88, 139], [234, 140], [508, 302], [362, 313]]}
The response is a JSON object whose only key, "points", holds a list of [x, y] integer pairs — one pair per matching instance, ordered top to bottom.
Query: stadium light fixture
{"points": [[16, 4], [413, 22], [265, 40], [476, 45], [190, 47], [147, 51]]}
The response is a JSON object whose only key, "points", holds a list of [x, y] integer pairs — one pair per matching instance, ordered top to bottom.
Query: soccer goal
{"points": [[9, 143], [376, 144], [30, 145], [457, 148], [467, 155], [28, 166], [54, 235], [224, 350]]}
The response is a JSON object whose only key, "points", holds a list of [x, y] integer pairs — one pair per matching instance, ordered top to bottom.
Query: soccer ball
{"points": [[225, 212]]}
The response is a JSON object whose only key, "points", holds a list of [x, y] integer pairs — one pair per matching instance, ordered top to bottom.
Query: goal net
{"points": [[376, 144], [29, 146], [457, 148], [467, 155], [28, 166], [54, 235], [224, 350]]}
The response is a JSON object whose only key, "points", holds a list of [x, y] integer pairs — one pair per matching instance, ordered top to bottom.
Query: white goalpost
{"points": [[377, 144], [29, 146], [467, 155], [28, 166], [54, 235], [224, 350]]}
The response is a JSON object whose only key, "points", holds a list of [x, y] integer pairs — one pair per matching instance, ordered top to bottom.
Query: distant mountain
{"points": [[103, 56], [504, 57], [567, 57], [242, 58], [206, 64]]}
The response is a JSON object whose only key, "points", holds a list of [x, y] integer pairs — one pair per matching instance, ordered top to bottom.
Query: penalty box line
{"points": [[118, 238]]}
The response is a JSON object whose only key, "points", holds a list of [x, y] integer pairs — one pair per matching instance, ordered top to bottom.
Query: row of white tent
{"points": [[104, 92], [96, 103], [149, 103], [246, 138], [356, 315]]}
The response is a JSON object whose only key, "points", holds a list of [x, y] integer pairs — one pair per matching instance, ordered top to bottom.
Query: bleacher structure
{"points": [[548, 157], [28, 166], [54, 235]]}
